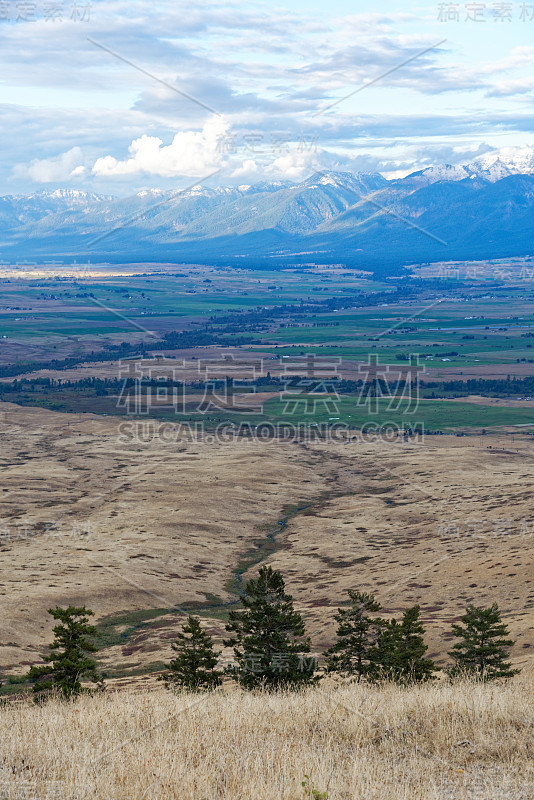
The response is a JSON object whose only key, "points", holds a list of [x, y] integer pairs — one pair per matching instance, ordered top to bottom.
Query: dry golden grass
{"points": [[438, 742]]}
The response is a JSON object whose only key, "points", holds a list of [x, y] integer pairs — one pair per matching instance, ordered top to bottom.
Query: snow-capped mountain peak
{"points": [[512, 160], [491, 167], [442, 172], [149, 193]]}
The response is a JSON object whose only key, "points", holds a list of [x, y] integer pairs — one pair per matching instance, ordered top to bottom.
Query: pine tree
{"points": [[269, 642], [400, 651], [482, 651], [352, 653], [384, 656], [67, 664], [412, 664], [194, 667]]}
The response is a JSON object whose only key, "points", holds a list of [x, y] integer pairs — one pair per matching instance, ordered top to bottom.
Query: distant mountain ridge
{"points": [[491, 167], [482, 209]]}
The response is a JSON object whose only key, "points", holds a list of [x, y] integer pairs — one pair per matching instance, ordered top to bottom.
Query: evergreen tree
{"points": [[357, 632], [269, 637], [400, 651], [482, 651], [384, 657], [67, 664], [412, 664], [194, 667]]}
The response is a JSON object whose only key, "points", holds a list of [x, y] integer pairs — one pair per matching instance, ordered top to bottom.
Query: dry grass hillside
{"points": [[140, 531], [464, 742]]}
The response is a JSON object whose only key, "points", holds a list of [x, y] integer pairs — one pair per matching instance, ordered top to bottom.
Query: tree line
{"points": [[483, 386], [271, 650]]}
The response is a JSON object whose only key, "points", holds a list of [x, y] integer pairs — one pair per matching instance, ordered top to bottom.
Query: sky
{"points": [[116, 97]]}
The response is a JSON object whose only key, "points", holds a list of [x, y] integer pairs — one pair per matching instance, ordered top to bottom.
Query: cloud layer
{"points": [[120, 114]]}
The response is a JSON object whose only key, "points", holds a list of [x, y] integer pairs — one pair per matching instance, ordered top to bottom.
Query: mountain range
{"points": [[480, 210]]}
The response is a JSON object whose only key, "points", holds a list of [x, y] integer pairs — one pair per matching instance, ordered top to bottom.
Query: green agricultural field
{"points": [[454, 331], [433, 414]]}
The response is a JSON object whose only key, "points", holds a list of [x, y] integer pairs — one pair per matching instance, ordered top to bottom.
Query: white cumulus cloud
{"points": [[190, 153], [297, 164], [248, 169], [50, 170]]}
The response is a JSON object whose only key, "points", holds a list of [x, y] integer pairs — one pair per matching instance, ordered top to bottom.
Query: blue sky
{"points": [[252, 83]]}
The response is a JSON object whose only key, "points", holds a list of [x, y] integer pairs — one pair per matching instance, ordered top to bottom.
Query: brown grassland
{"points": [[159, 527]]}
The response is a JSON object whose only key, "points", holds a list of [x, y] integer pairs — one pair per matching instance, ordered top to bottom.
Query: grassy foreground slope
{"points": [[436, 742]]}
